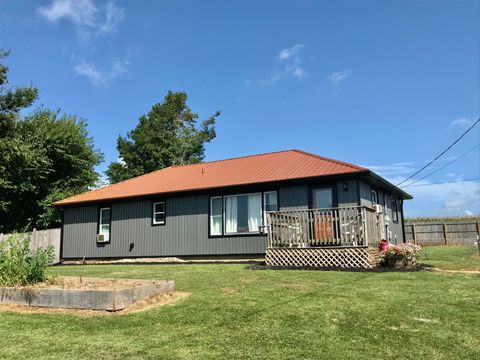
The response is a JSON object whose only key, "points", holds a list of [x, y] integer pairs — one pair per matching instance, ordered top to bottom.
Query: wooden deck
{"points": [[344, 237]]}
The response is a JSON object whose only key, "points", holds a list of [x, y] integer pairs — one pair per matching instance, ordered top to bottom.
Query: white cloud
{"points": [[88, 18], [289, 53], [293, 61], [291, 64], [98, 77], [338, 77], [271, 80], [462, 122], [121, 161], [393, 169], [447, 199]]}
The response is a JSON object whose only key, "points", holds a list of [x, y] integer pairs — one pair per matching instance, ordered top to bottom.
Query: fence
{"points": [[449, 233], [43, 238]]}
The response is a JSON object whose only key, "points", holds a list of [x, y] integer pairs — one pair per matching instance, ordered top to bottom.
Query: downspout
{"points": [[403, 222]]}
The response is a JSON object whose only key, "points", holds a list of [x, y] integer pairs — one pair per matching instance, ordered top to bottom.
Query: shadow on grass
{"points": [[417, 268]]}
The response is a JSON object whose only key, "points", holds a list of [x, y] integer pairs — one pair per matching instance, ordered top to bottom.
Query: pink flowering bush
{"points": [[407, 251]]}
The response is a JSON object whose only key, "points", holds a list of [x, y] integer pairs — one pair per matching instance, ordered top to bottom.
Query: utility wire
{"points": [[443, 152], [443, 167], [445, 182]]}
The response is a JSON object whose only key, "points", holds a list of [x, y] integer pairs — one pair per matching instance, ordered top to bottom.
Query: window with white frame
{"points": [[243, 213], [240, 214], [216, 215], [158, 216], [104, 218]]}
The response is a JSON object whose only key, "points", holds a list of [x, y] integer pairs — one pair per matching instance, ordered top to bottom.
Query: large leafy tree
{"points": [[12, 100], [170, 134], [43, 157], [49, 158]]}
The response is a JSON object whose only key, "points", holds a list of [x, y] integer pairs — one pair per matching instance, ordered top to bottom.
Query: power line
{"points": [[443, 152], [443, 167], [445, 182]]}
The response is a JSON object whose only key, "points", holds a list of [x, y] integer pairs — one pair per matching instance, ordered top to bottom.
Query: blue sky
{"points": [[384, 84]]}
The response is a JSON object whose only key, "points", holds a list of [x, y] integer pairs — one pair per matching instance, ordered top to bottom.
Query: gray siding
{"points": [[365, 193], [293, 197], [347, 197], [396, 228], [185, 231]]}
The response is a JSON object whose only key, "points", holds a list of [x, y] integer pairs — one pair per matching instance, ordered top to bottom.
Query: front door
{"points": [[323, 220]]}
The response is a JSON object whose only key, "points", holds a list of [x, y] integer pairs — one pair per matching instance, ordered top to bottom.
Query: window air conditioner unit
{"points": [[378, 208], [102, 238]]}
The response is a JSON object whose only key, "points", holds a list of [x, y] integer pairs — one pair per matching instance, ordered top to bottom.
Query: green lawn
{"points": [[452, 257], [237, 313]]}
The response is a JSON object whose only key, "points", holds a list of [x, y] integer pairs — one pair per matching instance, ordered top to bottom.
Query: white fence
{"points": [[43, 238]]}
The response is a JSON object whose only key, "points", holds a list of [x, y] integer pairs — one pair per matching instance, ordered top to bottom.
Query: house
{"points": [[286, 200]]}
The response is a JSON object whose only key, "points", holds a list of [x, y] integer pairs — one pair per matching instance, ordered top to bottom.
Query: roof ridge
{"points": [[234, 158], [330, 159]]}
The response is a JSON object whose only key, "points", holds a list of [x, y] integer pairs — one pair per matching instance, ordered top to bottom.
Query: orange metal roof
{"points": [[254, 169]]}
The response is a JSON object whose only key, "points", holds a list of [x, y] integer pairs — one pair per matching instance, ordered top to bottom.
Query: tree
{"points": [[12, 100], [168, 135], [43, 157], [49, 157]]}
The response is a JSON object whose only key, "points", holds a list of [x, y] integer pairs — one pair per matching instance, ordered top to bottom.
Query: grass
{"points": [[452, 257], [234, 312]]}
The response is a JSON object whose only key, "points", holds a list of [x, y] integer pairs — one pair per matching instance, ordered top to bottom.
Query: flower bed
{"points": [[399, 256]]}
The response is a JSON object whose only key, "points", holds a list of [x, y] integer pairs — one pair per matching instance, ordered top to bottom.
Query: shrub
{"points": [[19, 266]]}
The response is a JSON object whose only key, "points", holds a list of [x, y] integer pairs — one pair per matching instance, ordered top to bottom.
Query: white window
{"points": [[374, 197], [243, 213], [240, 214], [216, 216], [158, 217], [104, 223]]}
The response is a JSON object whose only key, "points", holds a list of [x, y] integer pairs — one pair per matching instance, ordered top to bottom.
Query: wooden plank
{"points": [[445, 234]]}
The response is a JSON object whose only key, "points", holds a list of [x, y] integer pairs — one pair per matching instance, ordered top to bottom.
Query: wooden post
{"points": [[414, 234], [445, 234], [478, 236]]}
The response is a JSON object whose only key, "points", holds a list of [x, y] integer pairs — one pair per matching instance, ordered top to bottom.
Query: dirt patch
{"points": [[476, 272], [247, 280], [299, 287], [229, 290], [138, 306]]}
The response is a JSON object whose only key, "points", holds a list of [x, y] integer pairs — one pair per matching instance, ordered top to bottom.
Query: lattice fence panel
{"points": [[322, 258]]}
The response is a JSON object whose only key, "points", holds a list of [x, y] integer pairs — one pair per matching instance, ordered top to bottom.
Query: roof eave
{"points": [[404, 194]]}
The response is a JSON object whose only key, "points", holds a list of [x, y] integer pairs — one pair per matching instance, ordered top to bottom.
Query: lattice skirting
{"points": [[352, 257]]}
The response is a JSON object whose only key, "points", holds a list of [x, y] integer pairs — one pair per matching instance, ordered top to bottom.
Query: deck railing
{"points": [[343, 226]]}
